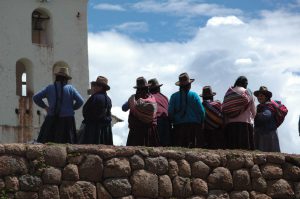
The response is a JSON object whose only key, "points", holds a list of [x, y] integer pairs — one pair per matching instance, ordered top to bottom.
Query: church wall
{"points": [[68, 44]]}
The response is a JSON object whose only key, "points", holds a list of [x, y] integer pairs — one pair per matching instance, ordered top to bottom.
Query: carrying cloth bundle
{"points": [[235, 103], [143, 109], [279, 110], [214, 116]]}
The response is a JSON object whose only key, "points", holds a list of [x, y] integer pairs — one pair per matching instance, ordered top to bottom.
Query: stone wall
{"points": [[100, 172]]}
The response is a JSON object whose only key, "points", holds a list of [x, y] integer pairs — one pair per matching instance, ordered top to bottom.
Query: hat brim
{"points": [[63, 75], [183, 84], [156, 86], [107, 87], [135, 87], [267, 93], [213, 94]]}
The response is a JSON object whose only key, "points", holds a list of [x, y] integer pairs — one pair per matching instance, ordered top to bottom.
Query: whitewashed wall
{"points": [[69, 45]]}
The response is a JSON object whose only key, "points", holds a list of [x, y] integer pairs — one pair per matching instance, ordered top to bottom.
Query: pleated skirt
{"points": [[58, 130], [239, 135]]}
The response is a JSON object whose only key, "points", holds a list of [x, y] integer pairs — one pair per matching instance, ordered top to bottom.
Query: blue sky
{"points": [[170, 20], [214, 41]]}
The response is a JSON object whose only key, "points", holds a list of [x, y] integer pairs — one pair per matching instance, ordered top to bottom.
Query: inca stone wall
{"points": [[101, 172]]}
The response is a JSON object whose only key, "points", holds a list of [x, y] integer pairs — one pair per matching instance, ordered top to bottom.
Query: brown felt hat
{"points": [[64, 72], [184, 79], [101, 81], [141, 82], [153, 83], [263, 90], [207, 92]]}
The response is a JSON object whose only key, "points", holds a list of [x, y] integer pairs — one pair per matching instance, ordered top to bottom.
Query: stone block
{"points": [[55, 155], [137, 162], [12, 165], [157, 165], [117, 167], [91, 168], [173, 168], [184, 168], [200, 170], [271, 171], [70, 173], [51, 175], [221, 179], [241, 180], [29, 183], [144, 184], [259, 185], [165, 186], [118, 187], [182, 187], [199, 187], [80, 189], [280, 189], [49, 192], [102, 193], [239, 195]]}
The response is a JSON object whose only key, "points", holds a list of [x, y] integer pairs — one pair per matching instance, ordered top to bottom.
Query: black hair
{"points": [[62, 79], [241, 81], [154, 90], [141, 92], [183, 93], [208, 98]]}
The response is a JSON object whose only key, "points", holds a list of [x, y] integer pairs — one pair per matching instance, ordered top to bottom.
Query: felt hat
{"points": [[184, 79], [101, 81], [141, 82], [153, 83], [263, 90], [207, 92]]}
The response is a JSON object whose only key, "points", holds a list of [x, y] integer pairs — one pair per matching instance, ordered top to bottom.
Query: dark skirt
{"points": [[163, 127], [58, 130], [95, 133], [189, 135], [239, 135], [143, 136], [215, 138], [266, 141]]}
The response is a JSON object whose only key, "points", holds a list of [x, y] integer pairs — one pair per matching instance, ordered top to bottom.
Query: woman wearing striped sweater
{"points": [[239, 110]]}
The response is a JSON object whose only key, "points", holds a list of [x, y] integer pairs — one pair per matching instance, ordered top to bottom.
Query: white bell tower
{"points": [[35, 37]]}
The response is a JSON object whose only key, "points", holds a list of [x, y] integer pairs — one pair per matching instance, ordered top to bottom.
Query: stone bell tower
{"points": [[36, 37]]}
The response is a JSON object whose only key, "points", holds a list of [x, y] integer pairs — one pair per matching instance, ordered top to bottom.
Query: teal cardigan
{"points": [[186, 111]]}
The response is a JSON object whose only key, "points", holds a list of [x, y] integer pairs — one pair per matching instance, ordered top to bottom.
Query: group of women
{"points": [[185, 120]]}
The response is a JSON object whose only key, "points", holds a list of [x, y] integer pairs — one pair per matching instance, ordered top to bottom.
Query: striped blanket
{"points": [[235, 103], [143, 109], [279, 110], [213, 116]]}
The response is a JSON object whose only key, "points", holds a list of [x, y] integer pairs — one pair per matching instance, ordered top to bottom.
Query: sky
{"points": [[213, 41]]}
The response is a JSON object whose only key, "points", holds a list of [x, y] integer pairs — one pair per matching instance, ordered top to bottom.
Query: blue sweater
{"points": [[70, 94], [186, 111], [265, 119]]}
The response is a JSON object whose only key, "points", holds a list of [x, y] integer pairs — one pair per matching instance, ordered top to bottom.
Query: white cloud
{"points": [[111, 7], [184, 8], [229, 20], [132, 27], [213, 57], [243, 61]]}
